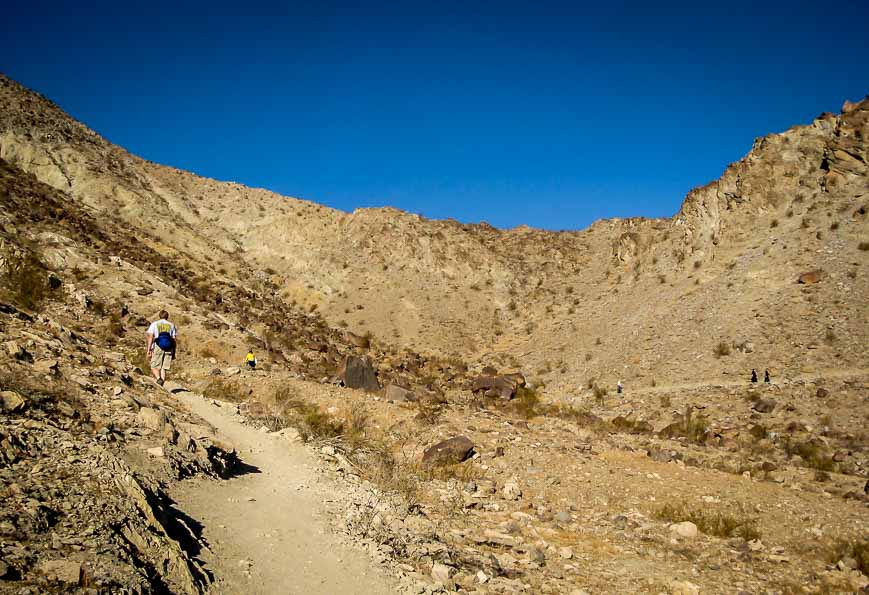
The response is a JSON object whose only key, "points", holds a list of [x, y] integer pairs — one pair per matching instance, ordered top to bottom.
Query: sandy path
{"points": [[266, 529]]}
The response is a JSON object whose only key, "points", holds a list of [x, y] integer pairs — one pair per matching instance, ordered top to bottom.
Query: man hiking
{"points": [[162, 344]]}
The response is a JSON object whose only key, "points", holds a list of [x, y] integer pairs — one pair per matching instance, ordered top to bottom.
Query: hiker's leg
{"points": [[155, 373]]}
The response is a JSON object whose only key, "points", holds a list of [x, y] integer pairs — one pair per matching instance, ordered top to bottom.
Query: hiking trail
{"points": [[266, 529]]}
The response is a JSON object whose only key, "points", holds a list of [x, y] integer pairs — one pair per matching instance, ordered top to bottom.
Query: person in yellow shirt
{"points": [[250, 359]]}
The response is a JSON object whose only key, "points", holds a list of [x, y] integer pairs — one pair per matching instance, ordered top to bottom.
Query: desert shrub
{"points": [[773, 223], [834, 226], [863, 246], [697, 264], [662, 279], [26, 280], [829, 337], [721, 349], [206, 352], [222, 389], [599, 393], [665, 401], [526, 403], [428, 411], [312, 422], [356, 428], [758, 432], [814, 455], [711, 522], [856, 549]]}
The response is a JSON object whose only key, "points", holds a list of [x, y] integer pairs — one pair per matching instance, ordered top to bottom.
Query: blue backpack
{"points": [[164, 338]]}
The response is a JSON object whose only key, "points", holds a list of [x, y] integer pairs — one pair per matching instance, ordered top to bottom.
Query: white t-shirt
{"points": [[162, 326]]}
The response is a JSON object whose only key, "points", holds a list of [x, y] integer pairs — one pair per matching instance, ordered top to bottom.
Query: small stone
{"points": [[232, 371], [117, 391], [156, 451], [685, 529], [565, 552], [482, 578], [683, 588]]}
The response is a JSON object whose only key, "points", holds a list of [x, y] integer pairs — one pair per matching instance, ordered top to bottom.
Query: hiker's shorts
{"points": [[161, 360]]}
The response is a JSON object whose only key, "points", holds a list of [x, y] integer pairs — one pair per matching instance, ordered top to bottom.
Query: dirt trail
{"points": [[266, 529]]}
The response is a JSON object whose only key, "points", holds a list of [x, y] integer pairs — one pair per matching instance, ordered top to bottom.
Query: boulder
{"points": [[810, 277], [46, 366], [232, 371], [358, 372], [504, 386], [822, 393], [398, 394], [12, 401], [764, 405], [152, 419], [453, 450], [512, 491], [685, 529]]}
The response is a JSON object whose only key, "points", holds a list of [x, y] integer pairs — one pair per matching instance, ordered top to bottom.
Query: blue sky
{"points": [[552, 114]]}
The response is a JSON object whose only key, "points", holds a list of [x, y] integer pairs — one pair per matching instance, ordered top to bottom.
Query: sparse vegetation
{"points": [[26, 280], [722, 349], [222, 389], [711, 522]]}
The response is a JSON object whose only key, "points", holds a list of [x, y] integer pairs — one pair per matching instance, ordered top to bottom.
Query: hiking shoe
{"points": [[160, 381]]}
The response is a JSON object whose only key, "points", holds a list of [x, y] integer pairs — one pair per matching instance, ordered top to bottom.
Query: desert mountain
{"points": [[638, 299], [236, 480]]}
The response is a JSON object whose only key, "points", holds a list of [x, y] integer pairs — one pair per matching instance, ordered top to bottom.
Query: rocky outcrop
{"points": [[358, 372], [450, 451]]}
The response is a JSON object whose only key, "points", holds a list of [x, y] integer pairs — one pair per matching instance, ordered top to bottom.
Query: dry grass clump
{"points": [[26, 281], [722, 349], [222, 389], [526, 403], [312, 422], [815, 456], [710, 522], [856, 549]]}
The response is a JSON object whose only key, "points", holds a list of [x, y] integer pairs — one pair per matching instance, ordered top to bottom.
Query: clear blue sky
{"points": [[552, 114]]}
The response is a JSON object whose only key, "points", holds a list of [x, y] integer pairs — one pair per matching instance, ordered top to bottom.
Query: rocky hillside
{"points": [[564, 307]]}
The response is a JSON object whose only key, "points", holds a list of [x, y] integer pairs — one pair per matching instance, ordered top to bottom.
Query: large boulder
{"points": [[358, 372], [503, 386], [398, 394], [446, 452]]}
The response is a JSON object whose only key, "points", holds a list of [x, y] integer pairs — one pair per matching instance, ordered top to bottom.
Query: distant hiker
{"points": [[162, 346], [250, 360], [753, 375], [766, 376], [619, 387]]}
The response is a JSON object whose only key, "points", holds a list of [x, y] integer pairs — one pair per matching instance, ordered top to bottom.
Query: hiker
{"points": [[162, 346], [250, 359], [753, 375], [766, 376], [619, 387]]}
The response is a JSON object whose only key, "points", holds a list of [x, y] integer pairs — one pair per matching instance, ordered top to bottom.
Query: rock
{"points": [[810, 277], [54, 282], [17, 352], [113, 356], [46, 366], [232, 371], [215, 372], [358, 372], [504, 386], [117, 391], [822, 393], [397, 394], [12, 401], [764, 405], [152, 419], [156, 451], [450, 451], [511, 490], [563, 517], [620, 522], [685, 529], [565, 552], [67, 572], [441, 573], [481, 577], [683, 588]]}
